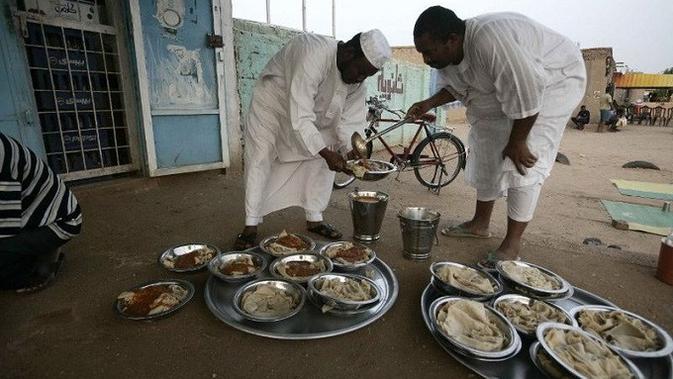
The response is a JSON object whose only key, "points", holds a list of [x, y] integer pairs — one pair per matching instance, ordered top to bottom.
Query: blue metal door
{"points": [[183, 106], [17, 109]]}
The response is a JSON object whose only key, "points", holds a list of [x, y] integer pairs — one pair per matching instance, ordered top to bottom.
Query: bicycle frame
{"points": [[402, 161]]}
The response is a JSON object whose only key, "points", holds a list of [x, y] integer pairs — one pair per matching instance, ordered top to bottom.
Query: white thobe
{"points": [[513, 68], [299, 106]]}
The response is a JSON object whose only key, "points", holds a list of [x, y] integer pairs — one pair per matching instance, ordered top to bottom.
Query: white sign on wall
{"points": [[85, 11]]}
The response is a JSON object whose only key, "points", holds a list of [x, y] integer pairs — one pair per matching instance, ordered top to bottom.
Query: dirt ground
{"points": [[71, 330]]}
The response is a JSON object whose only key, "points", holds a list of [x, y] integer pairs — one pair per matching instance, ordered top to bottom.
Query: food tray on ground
{"points": [[377, 171], [184, 249], [189, 287], [310, 322], [520, 366]]}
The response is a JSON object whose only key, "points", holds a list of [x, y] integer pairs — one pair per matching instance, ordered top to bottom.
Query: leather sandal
{"points": [[326, 230]]}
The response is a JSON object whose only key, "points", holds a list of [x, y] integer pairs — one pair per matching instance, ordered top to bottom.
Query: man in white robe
{"points": [[520, 82], [306, 104]]}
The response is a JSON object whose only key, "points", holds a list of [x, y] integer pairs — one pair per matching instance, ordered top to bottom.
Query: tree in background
{"points": [[662, 94]]}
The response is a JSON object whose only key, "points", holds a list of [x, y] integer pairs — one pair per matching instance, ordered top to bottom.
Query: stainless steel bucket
{"points": [[367, 210], [419, 231]]}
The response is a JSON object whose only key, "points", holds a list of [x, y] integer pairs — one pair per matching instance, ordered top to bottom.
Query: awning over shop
{"points": [[646, 81]]}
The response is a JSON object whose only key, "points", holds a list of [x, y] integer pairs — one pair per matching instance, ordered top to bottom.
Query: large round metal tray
{"points": [[310, 322], [520, 366]]}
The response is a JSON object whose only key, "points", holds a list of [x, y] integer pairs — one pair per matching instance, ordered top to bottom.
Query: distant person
{"points": [[520, 82], [606, 107], [582, 118], [618, 121], [38, 215]]}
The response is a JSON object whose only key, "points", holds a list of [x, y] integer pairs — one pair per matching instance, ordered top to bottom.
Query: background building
{"points": [[97, 87]]}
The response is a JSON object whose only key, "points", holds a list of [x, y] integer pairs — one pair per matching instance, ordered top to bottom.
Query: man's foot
{"points": [[324, 229], [466, 230], [247, 239], [493, 257], [44, 275]]}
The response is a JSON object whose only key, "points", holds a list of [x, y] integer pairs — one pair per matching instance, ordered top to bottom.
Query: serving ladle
{"points": [[359, 143]]}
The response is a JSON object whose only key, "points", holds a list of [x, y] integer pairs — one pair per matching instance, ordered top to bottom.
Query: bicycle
{"points": [[436, 160]]}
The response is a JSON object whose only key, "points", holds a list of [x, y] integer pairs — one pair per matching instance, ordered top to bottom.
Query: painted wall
{"points": [[600, 67], [400, 83]]}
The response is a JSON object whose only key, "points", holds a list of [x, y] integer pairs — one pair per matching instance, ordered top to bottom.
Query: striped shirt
{"points": [[32, 195]]}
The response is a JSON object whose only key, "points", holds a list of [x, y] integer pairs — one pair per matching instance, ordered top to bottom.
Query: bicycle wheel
{"points": [[437, 160], [342, 180]]}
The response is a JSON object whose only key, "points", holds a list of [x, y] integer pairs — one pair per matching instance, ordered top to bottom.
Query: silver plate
{"points": [[372, 176], [268, 240], [185, 249], [303, 257], [216, 263], [344, 266], [182, 283], [294, 290], [456, 291], [534, 292], [527, 301], [343, 304], [339, 312], [310, 322], [542, 328], [512, 348], [667, 349], [532, 351], [520, 365]]}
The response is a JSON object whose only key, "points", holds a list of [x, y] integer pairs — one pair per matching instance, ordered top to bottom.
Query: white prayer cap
{"points": [[376, 48]]}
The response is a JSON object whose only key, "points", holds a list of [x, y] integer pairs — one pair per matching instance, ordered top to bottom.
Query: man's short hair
{"points": [[439, 22], [354, 44]]}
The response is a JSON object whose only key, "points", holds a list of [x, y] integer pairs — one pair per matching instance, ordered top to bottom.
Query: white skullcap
{"points": [[376, 48]]}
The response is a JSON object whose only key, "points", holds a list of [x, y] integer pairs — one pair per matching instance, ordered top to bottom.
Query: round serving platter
{"points": [[310, 322], [521, 366]]}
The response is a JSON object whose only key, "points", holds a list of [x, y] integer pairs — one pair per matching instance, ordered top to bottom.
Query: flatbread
{"points": [[278, 248], [348, 253], [238, 267], [295, 270], [530, 276], [466, 279], [350, 289], [268, 301], [528, 317], [472, 324], [619, 329], [586, 356]]}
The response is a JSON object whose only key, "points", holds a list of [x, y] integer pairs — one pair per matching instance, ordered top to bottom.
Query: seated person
{"points": [[582, 118], [617, 121], [39, 214]]}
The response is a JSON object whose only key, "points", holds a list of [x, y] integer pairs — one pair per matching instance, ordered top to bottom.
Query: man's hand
{"points": [[418, 109], [519, 153], [352, 155], [335, 161]]}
